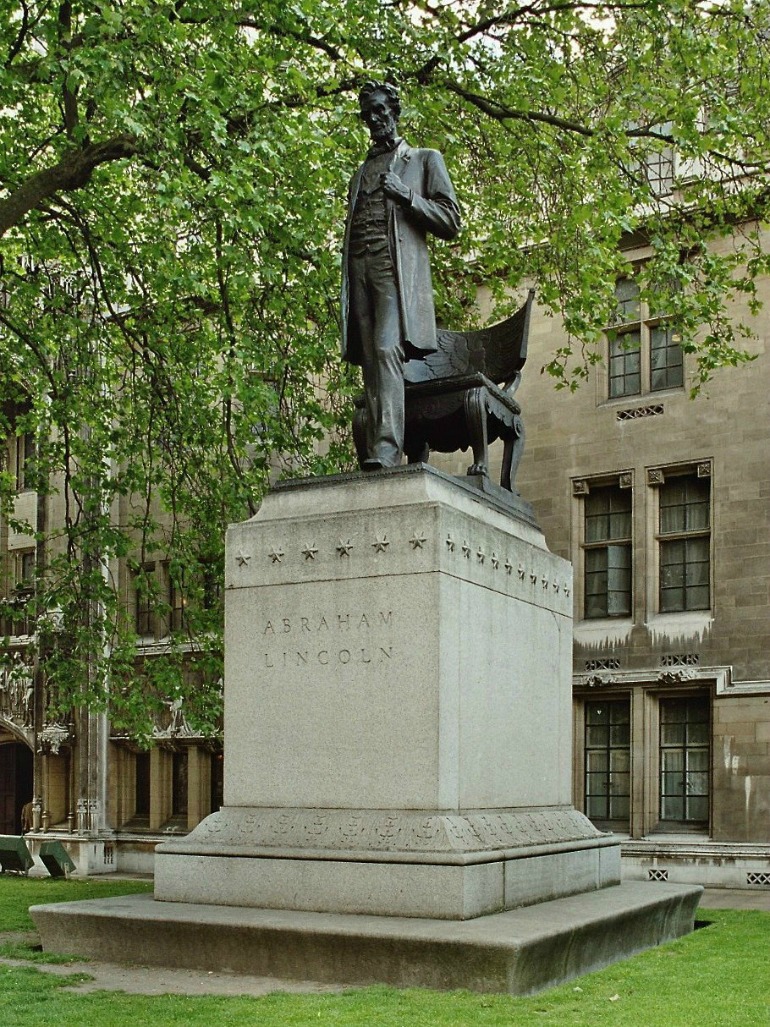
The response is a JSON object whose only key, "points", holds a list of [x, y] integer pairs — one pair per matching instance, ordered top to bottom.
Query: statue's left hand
{"points": [[394, 188]]}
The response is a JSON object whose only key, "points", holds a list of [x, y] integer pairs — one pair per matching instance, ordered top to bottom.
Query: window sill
{"points": [[641, 398], [677, 832]]}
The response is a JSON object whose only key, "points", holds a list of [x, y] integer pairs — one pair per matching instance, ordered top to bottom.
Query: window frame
{"points": [[635, 358], [25, 451], [666, 540], [612, 546], [145, 597], [177, 602], [647, 712], [608, 821], [669, 824]]}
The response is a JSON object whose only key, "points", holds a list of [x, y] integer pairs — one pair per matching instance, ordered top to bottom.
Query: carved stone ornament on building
{"points": [[655, 476], [580, 487], [676, 677], [593, 680], [16, 692], [173, 724], [54, 737]]}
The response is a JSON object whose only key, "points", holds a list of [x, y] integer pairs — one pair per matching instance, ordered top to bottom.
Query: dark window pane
{"points": [[627, 295], [666, 362], [625, 365], [608, 513], [597, 526], [685, 561], [608, 567], [673, 711], [596, 713], [672, 734], [698, 734], [597, 735], [620, 735], [620, 755], [697, 758], [684, 759], [607, 760], [598, 761], [672, 762], [142, 779], [179, 784], [596, 807], [620, 807], [672, 808], [698, 808]]}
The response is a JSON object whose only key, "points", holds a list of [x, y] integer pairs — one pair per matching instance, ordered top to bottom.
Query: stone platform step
{"points": [[519, 952]]}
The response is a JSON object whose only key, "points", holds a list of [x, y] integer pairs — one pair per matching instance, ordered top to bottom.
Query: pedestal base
{"points": [[387, 862], [519, 952]]}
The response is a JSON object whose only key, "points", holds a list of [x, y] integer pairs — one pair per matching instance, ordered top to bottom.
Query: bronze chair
{"points": [[462, 395]]}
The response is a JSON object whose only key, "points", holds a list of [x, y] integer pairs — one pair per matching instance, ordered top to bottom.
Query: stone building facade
{"points": [[662, 503], [83, 782]]}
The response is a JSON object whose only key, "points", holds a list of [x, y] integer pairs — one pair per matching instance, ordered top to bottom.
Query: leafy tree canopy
{"points": [[172, 184]]}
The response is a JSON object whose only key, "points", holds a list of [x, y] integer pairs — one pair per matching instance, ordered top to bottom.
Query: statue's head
{"points": [[380, 110]]}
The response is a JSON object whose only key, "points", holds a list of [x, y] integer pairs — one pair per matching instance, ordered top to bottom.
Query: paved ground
{"points": [[736, 898], [142, 980], [151, 980]]}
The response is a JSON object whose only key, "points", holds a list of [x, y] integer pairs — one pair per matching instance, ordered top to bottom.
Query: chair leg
{"points": [[476, 421], [513, 447]]}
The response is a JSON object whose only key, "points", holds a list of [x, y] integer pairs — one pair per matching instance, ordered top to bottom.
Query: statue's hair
{"points": [[389, 91]]}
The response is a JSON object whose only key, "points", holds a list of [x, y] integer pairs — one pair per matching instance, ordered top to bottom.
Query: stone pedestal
{"points": [[397, 709], [397, 743]]}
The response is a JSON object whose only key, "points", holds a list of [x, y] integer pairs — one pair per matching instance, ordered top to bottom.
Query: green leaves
{"points": [[174, 176]]}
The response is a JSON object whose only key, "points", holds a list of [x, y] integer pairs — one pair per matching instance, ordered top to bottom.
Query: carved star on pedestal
{"points": [[417, 541], [450, 542], [381, 544], [344, 548], [466, 550], [310, 552], [276, 555], [480, 555], [242, 558], [495, 560], [508, 566], [521, 571], [532, 578]]}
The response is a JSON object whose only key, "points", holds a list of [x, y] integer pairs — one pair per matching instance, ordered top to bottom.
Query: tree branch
{"points": [[69, 96], [500, 112], [72, 172]]}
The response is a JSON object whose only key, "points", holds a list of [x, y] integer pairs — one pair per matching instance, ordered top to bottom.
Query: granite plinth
{"points": [[397, 709], [518, 952]]}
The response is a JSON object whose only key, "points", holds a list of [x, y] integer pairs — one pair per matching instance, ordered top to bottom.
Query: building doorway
{"points": [[15, 783]]}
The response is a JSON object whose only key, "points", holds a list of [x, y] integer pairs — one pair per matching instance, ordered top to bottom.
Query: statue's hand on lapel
{"points": [[394, 188]]}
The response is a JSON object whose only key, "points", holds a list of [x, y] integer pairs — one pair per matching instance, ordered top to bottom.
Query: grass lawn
{"points": [[717, 975]]}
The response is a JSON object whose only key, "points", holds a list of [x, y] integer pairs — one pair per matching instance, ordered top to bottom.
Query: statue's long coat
{"points": [[433, 209]]}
